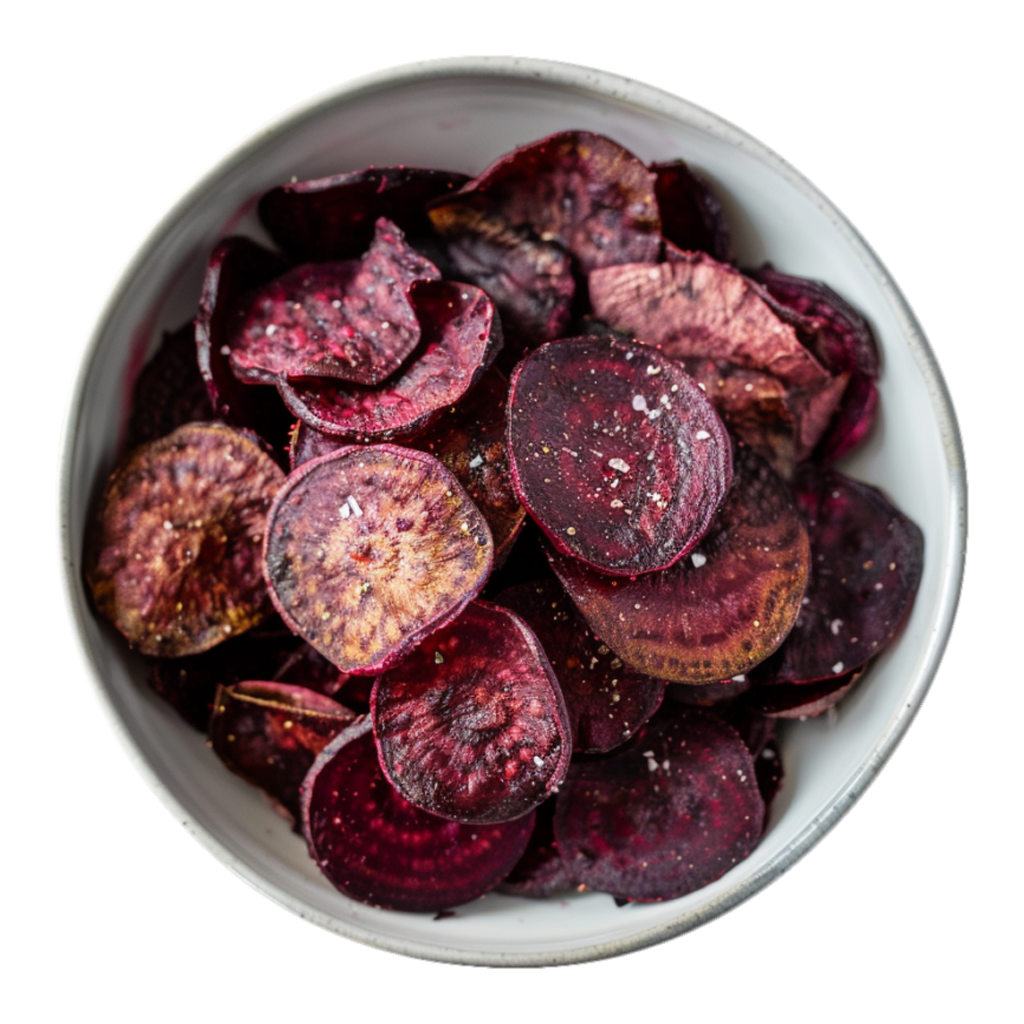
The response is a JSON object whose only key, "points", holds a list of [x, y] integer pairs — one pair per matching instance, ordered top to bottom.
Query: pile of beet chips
{"points": [[489, 526]]}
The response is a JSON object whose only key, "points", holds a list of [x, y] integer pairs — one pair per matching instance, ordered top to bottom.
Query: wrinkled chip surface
{"points": [[616, 452], [369, 550], [174, 559], [721, 610], [607, 702], [472, 725], [667, 814], [378, 848]]}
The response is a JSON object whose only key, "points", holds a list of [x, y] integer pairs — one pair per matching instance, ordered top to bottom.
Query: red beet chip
{"points": [[581, 190], [691, 215], [333, 218], [236, 268], [696, 306], [350, 320], [461, 335], [844, 342], [170, 391], [470, 441], [616, 452], [369, 550], [173, 560], [866, 567], [722, 610], [801, 700], [607, 702], [472, 725], [270, 734], [665, 815], [378, 848], [541, 872]]}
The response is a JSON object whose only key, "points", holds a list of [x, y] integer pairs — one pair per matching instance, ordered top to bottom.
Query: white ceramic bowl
{"points": [[460, 115]]}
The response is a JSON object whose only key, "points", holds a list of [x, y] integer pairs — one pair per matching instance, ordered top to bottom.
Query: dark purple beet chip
{"points": [[581, 190], [691, 215], [333, 218], [236, 268], [696, 306], [350, 320], [461, 335], [170, 391], [470, 441], [616, 452], [369, 550], [173, 558], [867, 559], [717, 613], [307, 667], [709, 695], [800, 700], [607, 702], [472, 725], [270, 734], [770, 773], [665, 815], [376, 847], [541, 872]]}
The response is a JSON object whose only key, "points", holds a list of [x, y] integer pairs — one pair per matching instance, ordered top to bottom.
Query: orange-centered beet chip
{"points": [[616, 452], [369, 550], [173, 560], [723, 609], [472, 725]]}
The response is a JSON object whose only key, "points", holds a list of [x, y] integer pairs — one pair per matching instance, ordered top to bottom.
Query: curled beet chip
{"points": [[581, 190], [691, 215], [333, 218], [696, 306], [351, 320], [461, 335], [170, 391], [470, 441], [616, 452], [369, 550], [867, 559], [173, 560], [721, 610], [801, 700], [607, 702], [472, 725], [270, 734], [669, 813], [378, 848], [541, 872]]}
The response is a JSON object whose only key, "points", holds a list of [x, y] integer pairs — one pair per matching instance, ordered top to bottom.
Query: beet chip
{"points": [[581, 190], [691, 215], [333, 218], [351, 320], [461, 335], [616, 452], [369, 550], [174, 558], [866, 566], [717, 613], [801, 700], [607, 702], [472, 725], [270, 734], [667, 814], [378, 848], [541, 872]]}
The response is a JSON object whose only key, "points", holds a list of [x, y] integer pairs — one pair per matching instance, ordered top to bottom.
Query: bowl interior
{"points": [[461, 116]]}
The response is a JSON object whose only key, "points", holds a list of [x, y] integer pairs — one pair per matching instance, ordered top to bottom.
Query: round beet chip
{"points": [[616, 452], [369, 550], [173, 559], [720, 611], [607, 702], [472, 725], [665, 815], [376, 847]]}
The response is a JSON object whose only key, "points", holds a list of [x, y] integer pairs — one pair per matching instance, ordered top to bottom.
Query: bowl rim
{"points": [[609, 86]]}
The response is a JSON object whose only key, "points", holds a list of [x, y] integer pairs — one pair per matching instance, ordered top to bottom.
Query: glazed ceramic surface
{"points": [[460, 115]]}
